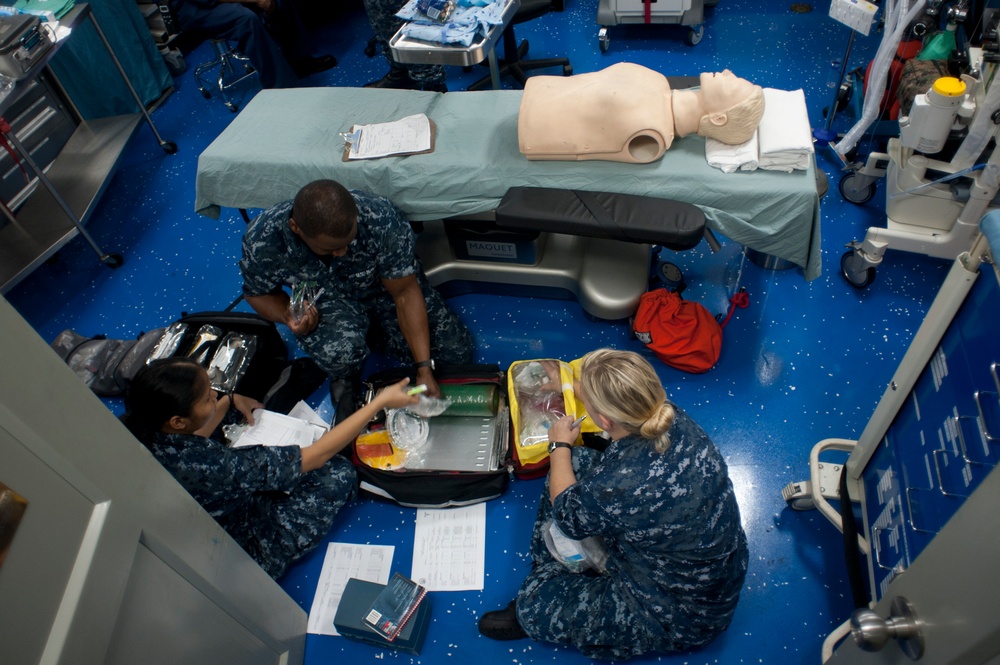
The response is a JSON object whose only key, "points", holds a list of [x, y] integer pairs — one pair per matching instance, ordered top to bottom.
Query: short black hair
{"points": [[325, 207], [162, 389]]}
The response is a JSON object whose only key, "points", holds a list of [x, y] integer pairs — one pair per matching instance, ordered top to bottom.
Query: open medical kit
{"points": [[23, 43], [541, 392], [448, 451]]}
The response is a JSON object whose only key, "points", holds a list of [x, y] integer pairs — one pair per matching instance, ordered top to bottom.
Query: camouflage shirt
{"points": [[274, 256], [224, 479], [672, 528]]}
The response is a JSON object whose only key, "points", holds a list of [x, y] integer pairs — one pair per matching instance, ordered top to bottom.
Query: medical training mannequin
{"points": [[627, 113]]}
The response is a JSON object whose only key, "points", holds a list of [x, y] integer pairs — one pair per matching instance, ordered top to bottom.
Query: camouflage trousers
{"points": [[382, 16], [347, 328], [278, 528], [584, 610]]}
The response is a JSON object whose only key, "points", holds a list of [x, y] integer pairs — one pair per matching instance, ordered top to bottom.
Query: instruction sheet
{"points": [[449, 548], [342, 562]]}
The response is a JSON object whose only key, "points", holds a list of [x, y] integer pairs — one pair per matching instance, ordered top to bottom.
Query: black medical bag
{"points": [[107, 365], [469, 460]]}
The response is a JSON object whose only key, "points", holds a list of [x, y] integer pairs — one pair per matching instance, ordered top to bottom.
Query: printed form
{"points": [[410, 135], [449, 548], [343, 561]]}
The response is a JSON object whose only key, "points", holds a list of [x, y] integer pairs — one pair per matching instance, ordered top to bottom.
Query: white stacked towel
{"points": [[784, 134], [782, 142], [729, 158]]}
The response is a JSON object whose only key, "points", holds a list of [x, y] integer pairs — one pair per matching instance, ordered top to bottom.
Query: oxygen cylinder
{"points": [[932, 116]]}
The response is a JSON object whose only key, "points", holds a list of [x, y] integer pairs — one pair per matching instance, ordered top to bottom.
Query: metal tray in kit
{"points": [[410, 51], [465, 443]]}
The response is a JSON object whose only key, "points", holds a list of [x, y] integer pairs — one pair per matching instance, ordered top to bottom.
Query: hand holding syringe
{"points": [[304, 296]]}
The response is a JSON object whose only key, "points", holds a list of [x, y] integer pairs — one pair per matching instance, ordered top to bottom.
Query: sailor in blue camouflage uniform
{"points": [[385, 23], [357, 249], [660, 498], [277, 502]]}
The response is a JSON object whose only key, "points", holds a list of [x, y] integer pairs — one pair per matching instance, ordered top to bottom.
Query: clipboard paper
{"points": [[412, 135]]}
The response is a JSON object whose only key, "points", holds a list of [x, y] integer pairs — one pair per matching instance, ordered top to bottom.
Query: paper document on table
{"points": [[410, 135], [276, 429], [449, 548], [342, 562]]}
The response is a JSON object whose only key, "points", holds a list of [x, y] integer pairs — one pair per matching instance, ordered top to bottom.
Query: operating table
{"points": [[284, 139]]}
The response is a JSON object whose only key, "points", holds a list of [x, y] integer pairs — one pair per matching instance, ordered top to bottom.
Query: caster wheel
{"points": [[694, 35], [604, 40], [567, 70], [206, 94], [232, 107], [169, 147], [850, 191], [112, 260], [852, 268], [671, 277], [801, 503]]}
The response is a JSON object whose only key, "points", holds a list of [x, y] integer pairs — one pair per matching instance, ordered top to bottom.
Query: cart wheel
{"points": [[694, 35], [604, 39], [370, 47], [567, 70], [205, 93], [232, 107], [169, 147], [850, 191], [112, 260], [852, 268], [671, 277], [801, 503]]}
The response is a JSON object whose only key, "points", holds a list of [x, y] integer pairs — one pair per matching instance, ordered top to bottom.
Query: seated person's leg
{"points": [[382, 16], [289, 29], [246, 31], [451, 341], [339, 347], [278, 528], [585, 611]]}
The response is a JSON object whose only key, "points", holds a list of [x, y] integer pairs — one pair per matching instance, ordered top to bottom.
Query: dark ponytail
{"points": [[161, 390]]}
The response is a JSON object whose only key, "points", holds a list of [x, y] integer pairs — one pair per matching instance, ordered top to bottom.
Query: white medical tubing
{"points": [[900, 15], [981, 130]]}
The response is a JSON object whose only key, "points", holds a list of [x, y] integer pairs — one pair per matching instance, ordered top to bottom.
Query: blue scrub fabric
{"points": [[88, 74]]}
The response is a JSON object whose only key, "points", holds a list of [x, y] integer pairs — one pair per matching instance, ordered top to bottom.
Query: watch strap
{"points": [[424, 363], [558, 444]]}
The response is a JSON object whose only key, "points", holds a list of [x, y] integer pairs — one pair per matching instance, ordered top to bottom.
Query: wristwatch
{"points": [[425, 363], [557, 444]]}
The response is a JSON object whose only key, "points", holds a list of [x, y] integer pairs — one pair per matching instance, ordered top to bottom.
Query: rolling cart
{"points": [[683, 12]]}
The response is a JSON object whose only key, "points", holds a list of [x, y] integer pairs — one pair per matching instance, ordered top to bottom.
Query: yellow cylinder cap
{"points": [[949, 86]]}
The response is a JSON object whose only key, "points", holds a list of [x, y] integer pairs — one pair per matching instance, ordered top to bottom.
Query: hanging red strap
{"points": [[647, 9], [4, 130], [741, 300]]}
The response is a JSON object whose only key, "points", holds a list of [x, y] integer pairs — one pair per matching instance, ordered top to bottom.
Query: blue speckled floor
{"points": [[805, 361]]}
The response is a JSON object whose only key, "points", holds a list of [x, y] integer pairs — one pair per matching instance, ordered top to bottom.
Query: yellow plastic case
{"points": [[562, 375]]}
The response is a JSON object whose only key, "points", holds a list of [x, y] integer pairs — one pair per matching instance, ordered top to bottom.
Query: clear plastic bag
{"points": [[428, 407], [576, 555]]}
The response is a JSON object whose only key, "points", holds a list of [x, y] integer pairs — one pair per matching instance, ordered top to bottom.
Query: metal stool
{"points": [[226, 59]]}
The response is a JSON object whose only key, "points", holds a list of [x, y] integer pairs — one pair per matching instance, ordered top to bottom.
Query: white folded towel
{"points": [[784, 134], [730, 158]]}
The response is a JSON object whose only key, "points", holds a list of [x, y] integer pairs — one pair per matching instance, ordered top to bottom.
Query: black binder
{"points": [[354, 606]]}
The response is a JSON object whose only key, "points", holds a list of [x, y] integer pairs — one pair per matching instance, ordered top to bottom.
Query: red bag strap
{"points": [[4, 130], [740, 299]]}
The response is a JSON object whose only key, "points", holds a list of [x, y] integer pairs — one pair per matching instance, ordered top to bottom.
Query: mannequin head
{"points": [[732, 107]]}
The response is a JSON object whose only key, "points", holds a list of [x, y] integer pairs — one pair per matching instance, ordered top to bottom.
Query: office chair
{"points": [[227, 60], [513, 63]]}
